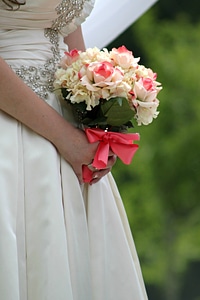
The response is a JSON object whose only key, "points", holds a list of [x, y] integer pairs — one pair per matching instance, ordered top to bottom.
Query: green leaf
{"points": [[64, 93], [81, 106], [117, 111], [97, 121]]}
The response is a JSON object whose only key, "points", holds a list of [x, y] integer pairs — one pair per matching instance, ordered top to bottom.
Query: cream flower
{"points": [[146, 111]]}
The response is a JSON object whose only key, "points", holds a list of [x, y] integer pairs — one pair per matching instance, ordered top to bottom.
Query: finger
{"points": [[111, 152], [111, 161], [91, 167], [97, 175]]}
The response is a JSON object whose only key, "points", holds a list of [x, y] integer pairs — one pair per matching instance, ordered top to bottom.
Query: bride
{"points": [[60, 239]]}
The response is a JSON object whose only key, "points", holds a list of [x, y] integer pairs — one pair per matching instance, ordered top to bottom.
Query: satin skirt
{"points": [[59, 240]]}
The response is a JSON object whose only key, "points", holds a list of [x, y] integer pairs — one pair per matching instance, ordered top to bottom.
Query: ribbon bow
{"points": [[120, 143]]}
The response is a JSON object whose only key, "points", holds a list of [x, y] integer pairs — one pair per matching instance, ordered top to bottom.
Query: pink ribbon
{"points": [[120, 143]]}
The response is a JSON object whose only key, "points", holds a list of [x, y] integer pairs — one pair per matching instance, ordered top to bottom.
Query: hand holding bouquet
{"points": [[108, 90]]}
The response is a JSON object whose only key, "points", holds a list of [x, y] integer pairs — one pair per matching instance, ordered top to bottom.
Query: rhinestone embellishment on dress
{"points": [[67, 11], [41, 79]]}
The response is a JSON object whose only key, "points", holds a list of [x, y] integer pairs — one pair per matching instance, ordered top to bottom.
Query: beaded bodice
{"points": [[39, 30], [41, 78]]}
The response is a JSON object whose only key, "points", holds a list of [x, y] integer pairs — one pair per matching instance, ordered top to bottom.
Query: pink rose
{"points": [[123, 57], [69, 58], [102, 71], [101, 74], [152, 74], [148, 84], [145, 90], [144, 100]]}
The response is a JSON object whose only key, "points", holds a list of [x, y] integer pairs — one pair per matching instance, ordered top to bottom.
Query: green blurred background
{"points": [[161, 187]]}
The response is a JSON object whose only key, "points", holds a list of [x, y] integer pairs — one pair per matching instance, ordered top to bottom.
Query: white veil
{"points": [[110, 18]]}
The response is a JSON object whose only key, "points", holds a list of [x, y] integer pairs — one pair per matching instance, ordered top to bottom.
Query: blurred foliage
{"points": [[170, 9], [160, 188]]}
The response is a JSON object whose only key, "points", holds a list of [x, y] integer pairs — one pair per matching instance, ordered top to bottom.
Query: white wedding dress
{"points": [[58, 240]]}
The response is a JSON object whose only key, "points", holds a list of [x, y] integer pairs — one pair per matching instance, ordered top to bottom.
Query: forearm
{"points": [[75, 40]]}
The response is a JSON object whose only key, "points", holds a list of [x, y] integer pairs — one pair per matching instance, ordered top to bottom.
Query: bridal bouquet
{"points": [[108, 91]]}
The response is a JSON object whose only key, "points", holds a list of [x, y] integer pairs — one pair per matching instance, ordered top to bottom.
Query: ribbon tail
{"points": [[124, 152], [101, 156], [100, 161], [87, 174]]}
